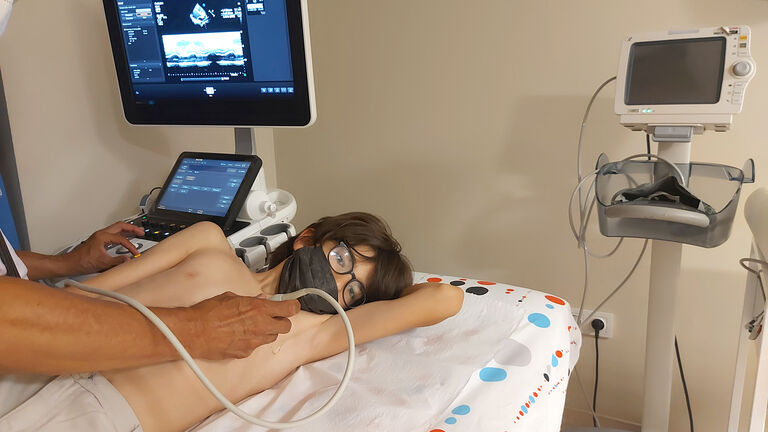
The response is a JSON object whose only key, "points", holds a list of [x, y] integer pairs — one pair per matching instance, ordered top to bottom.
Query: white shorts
{"points": [[83, 402]]}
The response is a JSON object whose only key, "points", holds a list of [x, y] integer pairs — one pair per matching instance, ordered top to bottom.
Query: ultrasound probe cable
{"points": [[207, 383]]}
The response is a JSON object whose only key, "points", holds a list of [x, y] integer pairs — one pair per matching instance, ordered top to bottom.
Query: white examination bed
{"points": [[501, 364]]}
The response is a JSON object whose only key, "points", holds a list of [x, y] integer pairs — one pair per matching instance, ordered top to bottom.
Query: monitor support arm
{"points": [[258, 141], [674, 146]]}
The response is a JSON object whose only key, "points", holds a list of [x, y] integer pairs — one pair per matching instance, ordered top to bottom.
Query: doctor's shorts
{"points": [[83, 402]]}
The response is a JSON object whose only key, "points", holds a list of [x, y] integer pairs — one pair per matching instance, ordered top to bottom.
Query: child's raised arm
{"points": [[420, 305]]}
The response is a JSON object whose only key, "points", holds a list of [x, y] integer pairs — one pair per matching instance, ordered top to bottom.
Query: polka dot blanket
{"points": [[500, 365]]}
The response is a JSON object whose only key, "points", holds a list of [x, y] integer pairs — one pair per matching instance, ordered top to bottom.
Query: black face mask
{"points": [[308, 267]]}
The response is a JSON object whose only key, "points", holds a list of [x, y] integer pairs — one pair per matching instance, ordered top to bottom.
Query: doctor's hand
{"points": [[91, 255], [232, 326]]}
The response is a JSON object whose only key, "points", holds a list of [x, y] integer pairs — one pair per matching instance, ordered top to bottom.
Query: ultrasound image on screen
{"points": [[199, 16], [203, 40], [204, 50], [209, 52], [688, 71]]}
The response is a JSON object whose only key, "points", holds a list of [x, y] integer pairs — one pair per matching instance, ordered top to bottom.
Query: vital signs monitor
{"points": [[213, 62], [684, 78]]}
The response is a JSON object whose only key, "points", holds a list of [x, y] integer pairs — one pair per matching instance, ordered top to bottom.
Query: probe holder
{"points": [[717, 185]]}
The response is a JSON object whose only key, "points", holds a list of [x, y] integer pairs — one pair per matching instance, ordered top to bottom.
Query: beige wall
{"points": [[457, 121], [81, 165]]}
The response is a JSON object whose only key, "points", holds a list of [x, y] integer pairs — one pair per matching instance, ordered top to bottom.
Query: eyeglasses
{"points": [[343, 262]]}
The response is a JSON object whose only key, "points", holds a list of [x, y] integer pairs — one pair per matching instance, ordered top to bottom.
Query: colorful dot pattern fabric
{"points": [[500, 365], [522, 388]]}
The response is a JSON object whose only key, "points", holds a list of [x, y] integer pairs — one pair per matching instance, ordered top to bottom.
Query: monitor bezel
{"points": [[296, 110], [710, 116], [237, 202]]}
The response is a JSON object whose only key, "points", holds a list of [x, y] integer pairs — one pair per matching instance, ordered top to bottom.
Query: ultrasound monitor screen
{"points": [[210, 61], [688, 71], [204, 186]]}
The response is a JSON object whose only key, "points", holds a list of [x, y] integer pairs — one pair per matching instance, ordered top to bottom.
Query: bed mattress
{"points": [[501, 364]]}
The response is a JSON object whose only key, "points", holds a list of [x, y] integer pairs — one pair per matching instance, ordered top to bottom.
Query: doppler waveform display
{"points": [[204, 49]]}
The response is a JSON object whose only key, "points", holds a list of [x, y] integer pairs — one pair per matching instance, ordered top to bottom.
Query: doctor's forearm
{"points": [[41, 266], [48, 331]]}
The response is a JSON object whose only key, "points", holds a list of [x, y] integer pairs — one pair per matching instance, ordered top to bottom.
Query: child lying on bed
{"points": [[352, 256]]}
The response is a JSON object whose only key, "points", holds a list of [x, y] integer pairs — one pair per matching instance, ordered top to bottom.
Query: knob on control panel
{"points": [[741, 69]]}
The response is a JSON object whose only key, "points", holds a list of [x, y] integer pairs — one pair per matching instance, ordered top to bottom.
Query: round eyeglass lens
{"points": [[341, 259], [354, 294]]}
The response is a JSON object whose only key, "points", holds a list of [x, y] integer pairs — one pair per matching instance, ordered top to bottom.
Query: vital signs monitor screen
{"points": [[682, 71]]}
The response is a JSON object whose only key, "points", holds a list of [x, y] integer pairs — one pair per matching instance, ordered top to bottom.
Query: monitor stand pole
{"points": [[257, 141], [662, 300]]}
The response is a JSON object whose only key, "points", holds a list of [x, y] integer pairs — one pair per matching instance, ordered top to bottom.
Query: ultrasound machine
{"points": [[237, 63]]}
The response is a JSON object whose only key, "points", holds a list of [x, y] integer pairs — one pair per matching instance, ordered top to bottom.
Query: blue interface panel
{"points": [[200, 49], [204, 186]]}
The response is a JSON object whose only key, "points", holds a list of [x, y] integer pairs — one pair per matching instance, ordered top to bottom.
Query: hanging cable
{"points": [[584, 123], [648, 144], [578, 152], [153, 189], [586, 205], [584, 212], [758, 273], [615, 290], [597, 325], [755, 326], [597, 375], [685, 386], [586, 398]]}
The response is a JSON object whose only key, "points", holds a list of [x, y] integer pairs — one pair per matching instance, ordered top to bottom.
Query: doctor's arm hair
{"points": [[419, 306], [49, 331]]}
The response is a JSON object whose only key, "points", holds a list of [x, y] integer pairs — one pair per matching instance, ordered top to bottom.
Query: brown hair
{"points": [[392, 272]]}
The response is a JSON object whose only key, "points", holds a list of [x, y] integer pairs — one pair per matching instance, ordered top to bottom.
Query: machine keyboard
{"points": [[157, 229]]}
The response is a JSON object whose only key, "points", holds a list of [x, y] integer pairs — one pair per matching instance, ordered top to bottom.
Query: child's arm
{"points": [[420, 305]]}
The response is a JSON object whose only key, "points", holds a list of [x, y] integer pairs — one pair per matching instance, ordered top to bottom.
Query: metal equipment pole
{"points": [[662, 300]]}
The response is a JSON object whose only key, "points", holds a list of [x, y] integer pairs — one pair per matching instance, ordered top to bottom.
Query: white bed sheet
{"points": [[501, 364]]}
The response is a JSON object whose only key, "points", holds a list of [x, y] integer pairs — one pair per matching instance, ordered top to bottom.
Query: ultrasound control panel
{"points": [[157, 229]]}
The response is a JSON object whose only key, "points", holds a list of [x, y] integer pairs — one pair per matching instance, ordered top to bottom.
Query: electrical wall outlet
{"points": [[587, 329]]}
